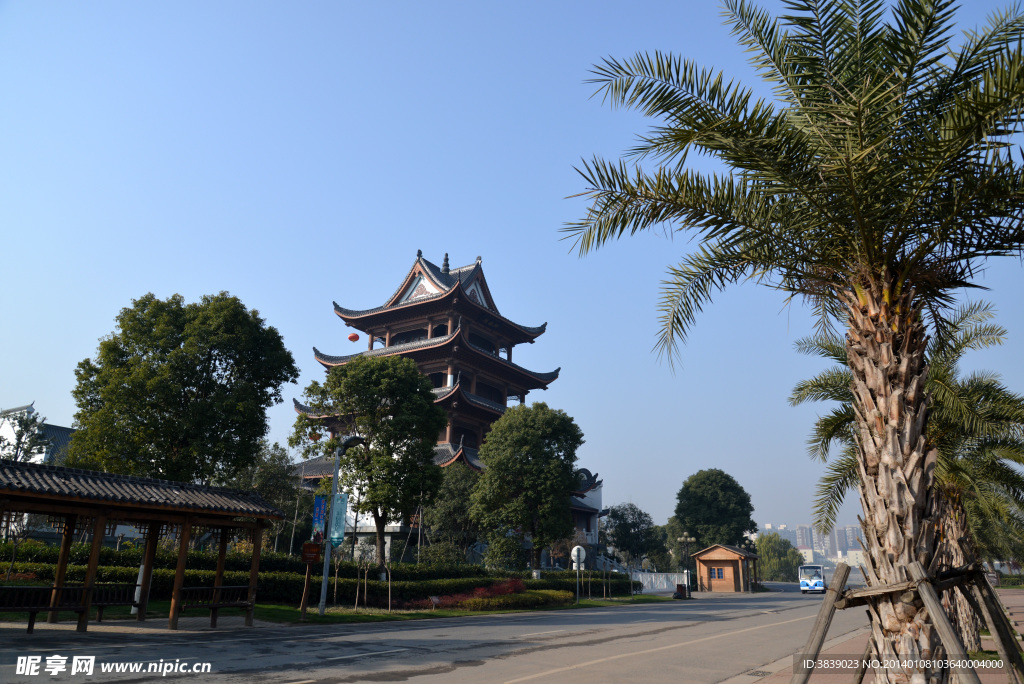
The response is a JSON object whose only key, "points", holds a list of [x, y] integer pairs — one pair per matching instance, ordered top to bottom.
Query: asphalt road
{"points": [[710, 639]]}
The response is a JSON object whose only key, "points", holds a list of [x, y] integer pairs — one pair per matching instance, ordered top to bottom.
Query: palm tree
{"points": [[875, 186], [976, 425]]}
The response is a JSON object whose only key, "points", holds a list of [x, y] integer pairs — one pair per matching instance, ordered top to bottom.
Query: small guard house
{"points": [[77, 501], [726, 568]]}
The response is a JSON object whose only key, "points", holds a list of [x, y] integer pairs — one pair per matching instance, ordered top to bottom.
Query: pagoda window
{"points": [[440, 330], [409, 336], [483, 343], [438, 379], [490, 392]]}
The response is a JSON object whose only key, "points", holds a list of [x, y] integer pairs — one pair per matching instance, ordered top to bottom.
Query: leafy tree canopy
{"points": [[179, 391], [388, 402], [29, 439], [530, 455], [714, 509], [448, 518], [632, 532], [777, 559]]}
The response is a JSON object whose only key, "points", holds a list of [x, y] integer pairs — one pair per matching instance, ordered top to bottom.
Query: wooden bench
{"points": [[105, 595], [215, 598], [35, 600]]}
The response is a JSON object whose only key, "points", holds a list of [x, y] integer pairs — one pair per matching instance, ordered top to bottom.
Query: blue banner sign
{"points": [[338, 510], [319, 516]]}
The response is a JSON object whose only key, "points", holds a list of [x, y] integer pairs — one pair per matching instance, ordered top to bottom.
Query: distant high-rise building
{"points": [[783, 531], [852, 534], [804, 536]]}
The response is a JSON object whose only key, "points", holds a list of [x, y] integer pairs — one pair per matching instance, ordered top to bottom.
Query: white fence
{"points": [[660, 581]]}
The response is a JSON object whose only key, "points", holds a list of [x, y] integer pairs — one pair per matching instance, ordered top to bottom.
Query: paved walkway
{"points": [[852, 646]]}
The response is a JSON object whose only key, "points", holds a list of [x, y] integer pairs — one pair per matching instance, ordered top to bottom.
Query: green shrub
{"points": [[442, 554]]}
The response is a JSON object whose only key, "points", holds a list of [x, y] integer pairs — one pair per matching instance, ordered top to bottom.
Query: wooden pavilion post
{"points": [[70, 520], [99, 529], [257, 544], [148, 560], [179, 573], [743, 576], [218, 579], [821, 624]]}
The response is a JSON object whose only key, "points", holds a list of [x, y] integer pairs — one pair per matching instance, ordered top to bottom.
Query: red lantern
{"points": [[352, 337]]}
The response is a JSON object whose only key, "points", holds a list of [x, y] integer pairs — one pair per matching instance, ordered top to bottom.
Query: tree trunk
{"points": [[885, 345], [380, 522], [950, 553]]}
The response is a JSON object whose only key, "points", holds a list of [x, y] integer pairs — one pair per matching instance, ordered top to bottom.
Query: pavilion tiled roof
{"points": [[47, 480], [734, 549]]}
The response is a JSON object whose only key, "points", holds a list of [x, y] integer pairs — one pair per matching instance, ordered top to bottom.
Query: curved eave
{"points": [[353, 317], [329, 361], [543, 379], [446, 395], [307, 410], [446, 454]]}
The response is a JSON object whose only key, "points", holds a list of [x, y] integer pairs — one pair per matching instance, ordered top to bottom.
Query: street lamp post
{"points": [[350, 441], [686, 540]]}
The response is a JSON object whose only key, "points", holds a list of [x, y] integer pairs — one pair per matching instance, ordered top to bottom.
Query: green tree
{"points": [[874, 184], [179, 391], [388, 402], [975, 424], [29, 436], [530, 455], [272, 477], [715, 509], [447, 518], [632, 532], [777, 560]]}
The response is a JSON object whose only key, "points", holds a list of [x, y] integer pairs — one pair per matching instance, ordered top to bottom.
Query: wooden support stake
{"points": [[305, 593], [978, 605], [1000, 624], [821, 625], [950, 639], [862, 667]]}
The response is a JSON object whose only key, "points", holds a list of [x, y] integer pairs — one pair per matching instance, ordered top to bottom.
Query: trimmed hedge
{"points": [[207, 560], [286, 587], [529, 599]]}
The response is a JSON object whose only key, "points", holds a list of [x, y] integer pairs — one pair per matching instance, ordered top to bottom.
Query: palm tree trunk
{"points": [[885, 345], [950, 553]]}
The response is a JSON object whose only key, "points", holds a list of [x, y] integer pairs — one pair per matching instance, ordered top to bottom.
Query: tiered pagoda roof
{"points": [[435, 290], [454, 345]]}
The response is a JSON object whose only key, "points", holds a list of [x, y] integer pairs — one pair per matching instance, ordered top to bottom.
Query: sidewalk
{"points": [[853, 645]]}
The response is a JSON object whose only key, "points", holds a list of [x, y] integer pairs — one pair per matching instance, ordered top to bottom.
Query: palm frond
{"points": [[840, 476]]}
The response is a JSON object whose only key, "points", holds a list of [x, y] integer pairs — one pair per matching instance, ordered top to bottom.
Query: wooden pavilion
{"points": [[97, 501], [726, 568]]}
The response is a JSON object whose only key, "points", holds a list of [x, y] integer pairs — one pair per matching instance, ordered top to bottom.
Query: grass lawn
{"points": [[289, 614]]}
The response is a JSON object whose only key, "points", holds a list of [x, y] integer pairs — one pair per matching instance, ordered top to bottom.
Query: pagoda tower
{"points": [[445, 320]]}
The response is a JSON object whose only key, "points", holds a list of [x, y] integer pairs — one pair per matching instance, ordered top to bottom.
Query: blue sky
{"points": [[295, 154]]}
